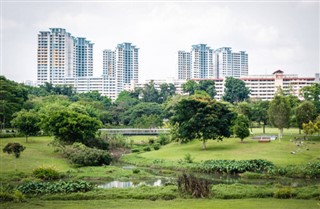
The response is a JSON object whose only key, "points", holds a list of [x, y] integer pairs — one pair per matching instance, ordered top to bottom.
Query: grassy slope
{"points": [[275, 151], [37, 153], [177, 204]]}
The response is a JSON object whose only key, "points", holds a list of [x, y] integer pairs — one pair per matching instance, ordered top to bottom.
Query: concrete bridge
{"points": [[136, 131]]}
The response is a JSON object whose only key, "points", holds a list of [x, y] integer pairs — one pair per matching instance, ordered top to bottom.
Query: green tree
{"points": [[208, 86], [190, 87], [166, 90], [235, 90], [150, 93], [312, 93], [12, 97], [144, 108], [246, 109], [305, 112], [260, 113], [279, 113], [201, 118], [148, 121], [27, 122], [317, 124], [70, 126], [241, 127], [309, 128], [14, 148]]}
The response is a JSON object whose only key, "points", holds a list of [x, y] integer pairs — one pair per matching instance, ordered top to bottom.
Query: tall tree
{"points": [[208, 86], [190, 87], [166, 90], [235, 90], [150, 93], [312, 93], [12, 97], [245, 108], [305, 112], [260, 113], [279, 113], [130, 116], [201, 118], [27, 122], [69, 126], [241, 127]]}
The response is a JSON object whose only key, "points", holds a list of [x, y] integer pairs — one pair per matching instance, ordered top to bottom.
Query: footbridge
{"points": [[136, 131]]}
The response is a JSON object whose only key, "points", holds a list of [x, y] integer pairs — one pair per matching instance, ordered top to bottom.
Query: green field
{"points": [[231, 149], [39, 153], [176, 204]]}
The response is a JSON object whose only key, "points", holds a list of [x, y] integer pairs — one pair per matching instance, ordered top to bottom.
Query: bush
{"points": [[164, 139], [116, 141], [151, 141], [97, 143], [156, 147], [15, 148], [147, 149], [135, 150], [82, 155], [188, 158], [234, 167], [136, 171], [46, 173], [196, 187], [39, 188], [283, 193], [17, 196], [6, 197]]}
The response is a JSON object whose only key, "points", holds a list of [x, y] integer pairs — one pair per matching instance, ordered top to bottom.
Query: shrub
{"points": [[164, 139], [116, 141], [151, 141], [97, 143], [156, 147], [15, 148], [147, 149], [135, 150], [82, 155], [188, 158], [233, 166], [313, 170], [136, 171], [46, 173], [196, 187], [39, 188], [283, 193], [17, 196], [6, 197]]}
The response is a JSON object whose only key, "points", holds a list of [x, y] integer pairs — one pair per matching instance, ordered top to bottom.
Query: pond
{"points": [[160, 180], [126, 184]]}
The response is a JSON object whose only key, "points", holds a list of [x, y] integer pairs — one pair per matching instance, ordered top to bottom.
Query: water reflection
{"points": [[126, 184]]}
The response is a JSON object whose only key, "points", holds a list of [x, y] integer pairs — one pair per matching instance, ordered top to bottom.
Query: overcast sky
{"points": [[276, 35]]}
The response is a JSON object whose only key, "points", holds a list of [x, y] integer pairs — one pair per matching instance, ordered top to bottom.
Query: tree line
{"points": [[75, 117]]}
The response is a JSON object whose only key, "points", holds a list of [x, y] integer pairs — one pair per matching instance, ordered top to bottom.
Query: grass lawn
{"points": [[231, 148], [38, 153], [176, 204]]}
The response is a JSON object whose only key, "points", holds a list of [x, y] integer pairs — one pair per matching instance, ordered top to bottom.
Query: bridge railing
{"points": [[136, 131]]}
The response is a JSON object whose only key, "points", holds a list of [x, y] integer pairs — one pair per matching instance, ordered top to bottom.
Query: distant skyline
{"points": [[276, 35]]}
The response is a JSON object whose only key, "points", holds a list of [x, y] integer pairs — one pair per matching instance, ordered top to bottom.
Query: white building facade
{"points": [[203, 62], [262, 87]]}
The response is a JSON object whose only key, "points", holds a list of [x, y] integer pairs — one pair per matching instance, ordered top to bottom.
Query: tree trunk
{"points": [[264, 128], [299, 130], [280, 133], [204, 144]]}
